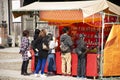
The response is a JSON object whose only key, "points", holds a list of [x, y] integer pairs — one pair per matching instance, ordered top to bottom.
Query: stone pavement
{"points": [[11, 49], [10, 64]]}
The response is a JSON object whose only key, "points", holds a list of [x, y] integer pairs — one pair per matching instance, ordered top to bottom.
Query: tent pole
{"points": [[35, 14], [35, 20], [102, 46]]}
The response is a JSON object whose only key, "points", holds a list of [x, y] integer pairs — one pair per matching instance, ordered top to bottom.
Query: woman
{"points": [[23, 51], [34, 52], [42, 53], [51, 57]]}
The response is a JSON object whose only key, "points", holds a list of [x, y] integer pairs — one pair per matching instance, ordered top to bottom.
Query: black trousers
{"points": [[24, 66], [81, 66]]}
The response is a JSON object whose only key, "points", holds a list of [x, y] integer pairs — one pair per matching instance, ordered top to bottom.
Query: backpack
{"points": [[63, 47]]}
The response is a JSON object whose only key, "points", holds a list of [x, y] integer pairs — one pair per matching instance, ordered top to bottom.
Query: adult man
{"points": [[81, 51], [66, 55]]}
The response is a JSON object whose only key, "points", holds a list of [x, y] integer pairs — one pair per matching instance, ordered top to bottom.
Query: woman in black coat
{"points": [[36, 35], [42, 53]]}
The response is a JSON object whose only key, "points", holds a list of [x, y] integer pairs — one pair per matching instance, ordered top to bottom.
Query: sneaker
{"points": [[22, 73], [50, 73], [25, 74], [68, 74], [36, 75], [42, 75], [78, 76], [83, 78]]}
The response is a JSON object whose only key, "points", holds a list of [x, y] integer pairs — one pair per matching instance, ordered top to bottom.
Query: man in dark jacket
{"points": [[81, 51], [66, 55]]}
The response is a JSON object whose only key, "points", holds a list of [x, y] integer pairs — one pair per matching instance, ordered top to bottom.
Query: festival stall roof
{"points": [[87, 7], [84, 9]]}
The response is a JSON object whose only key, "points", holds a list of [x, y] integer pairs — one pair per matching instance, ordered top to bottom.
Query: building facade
{"points": [[3, 22], [6, 22], [13, 28]]}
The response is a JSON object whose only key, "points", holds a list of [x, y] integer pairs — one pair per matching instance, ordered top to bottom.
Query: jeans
{"points": [[36, 59], [51, 62], [40, 65], [81, 66]]}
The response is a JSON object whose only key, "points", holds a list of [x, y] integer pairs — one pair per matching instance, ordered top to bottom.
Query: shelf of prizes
{"points": [[92, 34]]}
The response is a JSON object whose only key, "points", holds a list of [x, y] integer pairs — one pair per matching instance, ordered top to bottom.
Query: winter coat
{"points": [[66, 39], [38, 43], [25, 45], [81, 47]]}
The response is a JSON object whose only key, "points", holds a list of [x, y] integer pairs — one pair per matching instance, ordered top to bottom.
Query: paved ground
{"points": [[10, 64]]}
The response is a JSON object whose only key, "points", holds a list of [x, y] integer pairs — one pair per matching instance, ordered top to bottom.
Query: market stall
{"points": [[77, 13]]}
